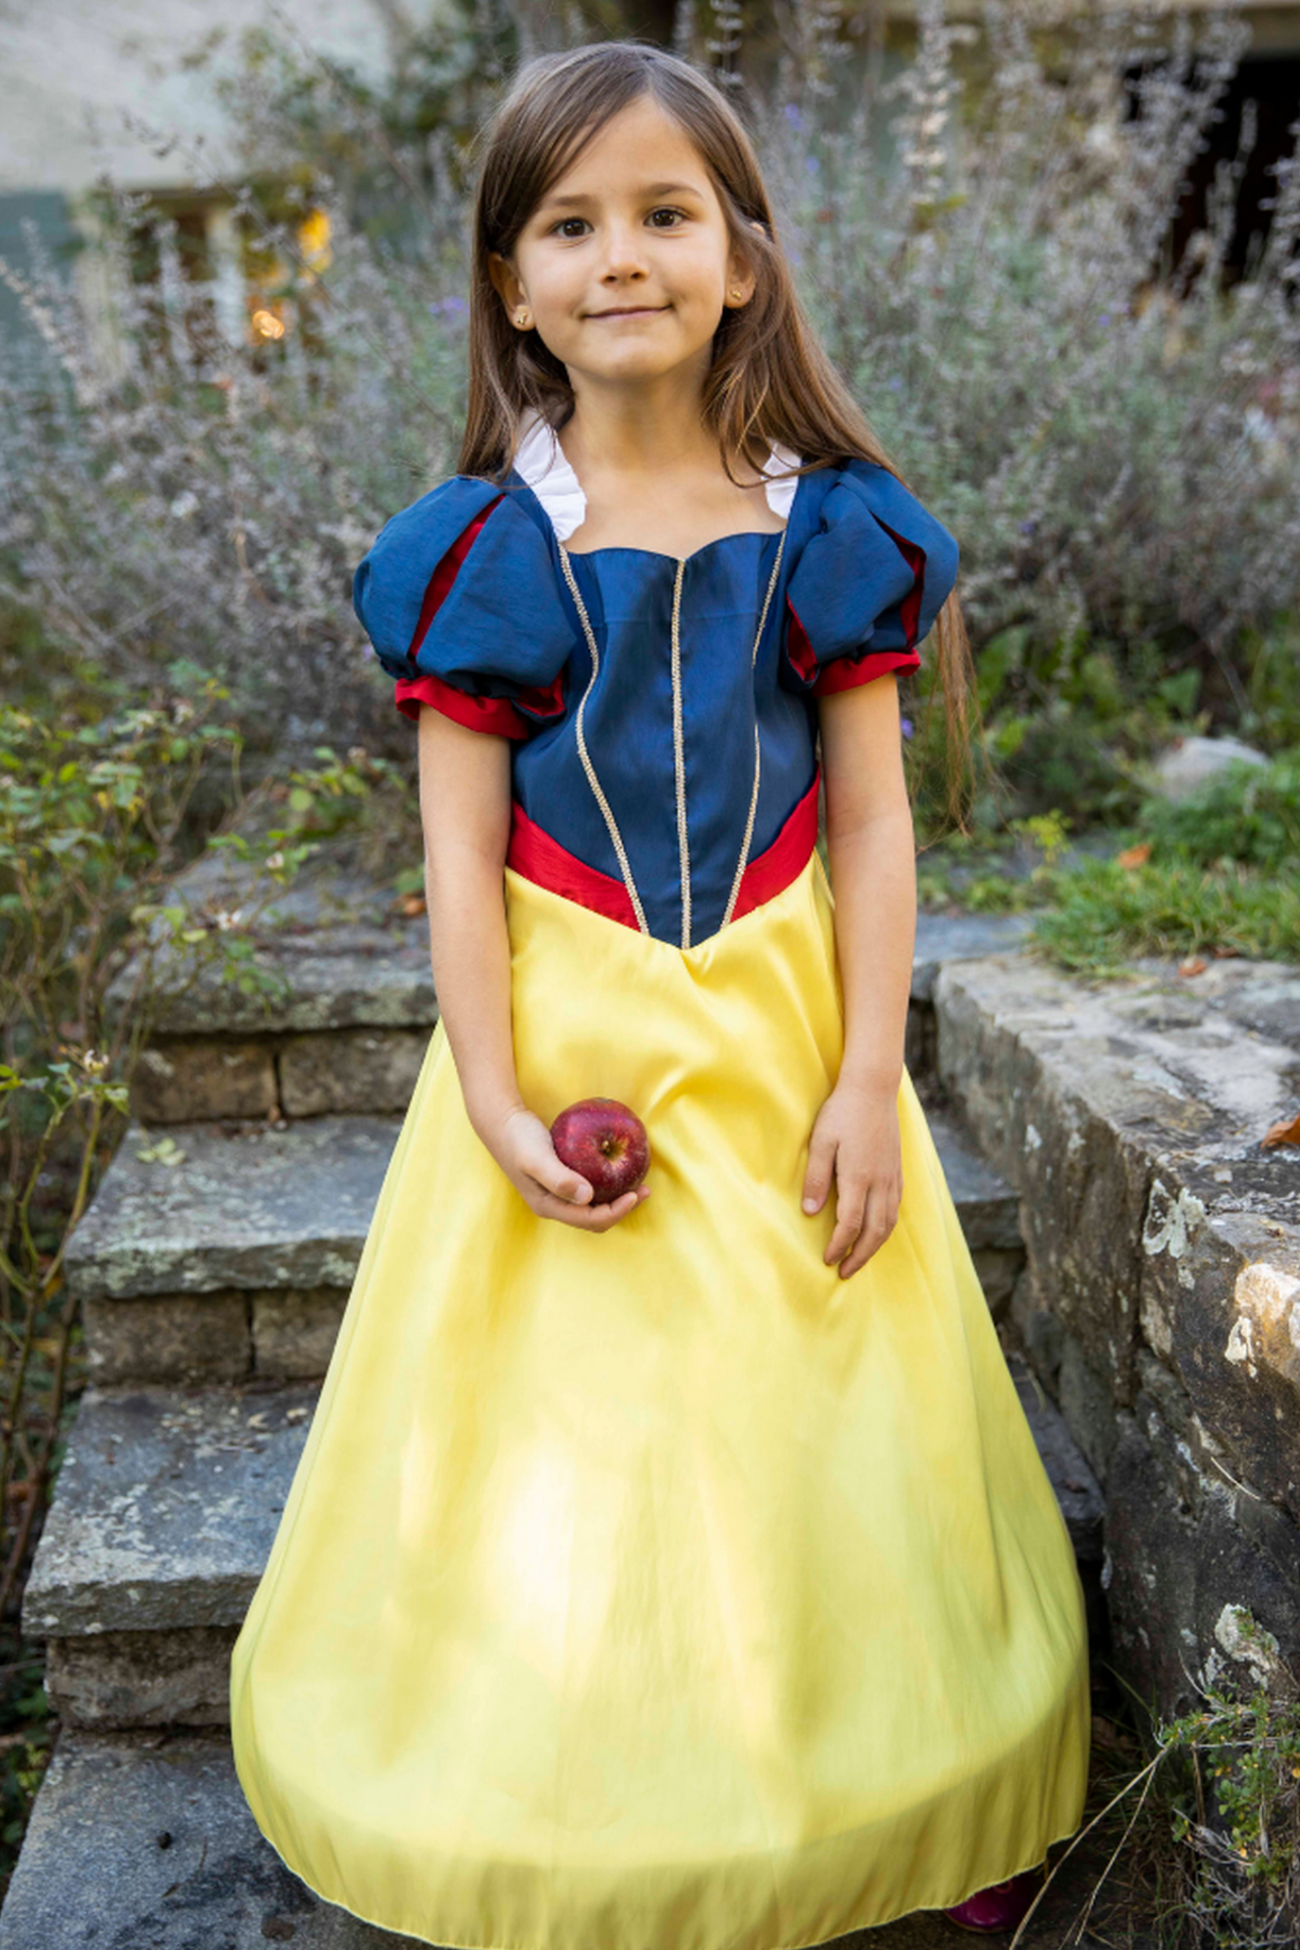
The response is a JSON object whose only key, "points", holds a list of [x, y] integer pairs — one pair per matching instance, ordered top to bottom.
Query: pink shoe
{"points": [[1000, 1907]]}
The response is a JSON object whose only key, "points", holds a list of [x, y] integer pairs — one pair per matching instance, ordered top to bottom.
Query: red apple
{"points": [[604, 1141]]}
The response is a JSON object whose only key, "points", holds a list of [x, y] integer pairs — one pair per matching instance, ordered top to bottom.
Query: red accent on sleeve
{"points": [[445, 574], [909, 609], [798, 648], [845, 672], [542, 700], [476, 713], [497, 714]]}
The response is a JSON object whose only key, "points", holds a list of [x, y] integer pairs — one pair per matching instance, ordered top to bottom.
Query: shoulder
{"points": [[863, 494], [459, 509], [464, 539], [472, 558], [874, 571]]}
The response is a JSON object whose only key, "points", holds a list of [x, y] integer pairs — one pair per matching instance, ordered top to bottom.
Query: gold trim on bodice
{"points": [[679, 756]]}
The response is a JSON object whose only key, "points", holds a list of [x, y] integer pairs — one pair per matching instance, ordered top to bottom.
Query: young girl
{"points": [[677, 1573]]}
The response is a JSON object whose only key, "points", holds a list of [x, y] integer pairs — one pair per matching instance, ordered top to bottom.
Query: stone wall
{"points": [[1160, 1301]]}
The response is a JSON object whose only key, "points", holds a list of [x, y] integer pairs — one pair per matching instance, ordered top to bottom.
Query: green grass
{"points": [[1249, 813], [1221, 877], [1105, 914]]}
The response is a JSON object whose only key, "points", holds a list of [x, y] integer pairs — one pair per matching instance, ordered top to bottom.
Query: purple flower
{"points": [[793, 116], [448, 307], [1103, 318], [895, 385], [1028, 527], [907, 727]]}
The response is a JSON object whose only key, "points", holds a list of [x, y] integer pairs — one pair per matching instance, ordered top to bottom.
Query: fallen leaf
{"points": [[1134, 856], [410, 905], [1223, 952], [1192, 965], [1287, 1132]]}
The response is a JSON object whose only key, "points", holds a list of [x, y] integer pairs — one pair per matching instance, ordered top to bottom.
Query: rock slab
{"points": [[245, 1207], [1162, 1296], [166, 1509], [149, 1845]]}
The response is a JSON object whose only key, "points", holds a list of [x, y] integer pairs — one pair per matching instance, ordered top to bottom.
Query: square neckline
{"points": [[563, 493], [662, 555]]}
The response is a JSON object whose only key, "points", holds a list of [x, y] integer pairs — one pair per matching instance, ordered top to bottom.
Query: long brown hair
{"points": [[770, 379]]}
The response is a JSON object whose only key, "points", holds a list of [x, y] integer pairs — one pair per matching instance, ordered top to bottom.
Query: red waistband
{"points": [[533, 854]]}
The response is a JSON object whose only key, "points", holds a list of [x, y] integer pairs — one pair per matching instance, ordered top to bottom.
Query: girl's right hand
{"points": [[522, 1147]]}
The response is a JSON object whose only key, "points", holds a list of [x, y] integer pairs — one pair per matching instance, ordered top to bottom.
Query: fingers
{"points": [[536, 1158], [821, 1170], [554, 1176], [549, 1187], [850, 1207], [866, 1212], [588, 1218], [879, 1219]]}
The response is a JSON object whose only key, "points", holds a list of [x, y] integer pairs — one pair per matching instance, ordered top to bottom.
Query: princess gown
{"points": [[660, 1589]]}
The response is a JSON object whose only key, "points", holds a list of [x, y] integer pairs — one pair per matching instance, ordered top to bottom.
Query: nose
{"points": [[624, 252]]}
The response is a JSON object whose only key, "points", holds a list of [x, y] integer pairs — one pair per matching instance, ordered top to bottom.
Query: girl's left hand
{"points": [[856, 1141]]}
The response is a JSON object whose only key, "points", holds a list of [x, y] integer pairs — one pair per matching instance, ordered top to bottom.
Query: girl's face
{"points": [[625, 266]]}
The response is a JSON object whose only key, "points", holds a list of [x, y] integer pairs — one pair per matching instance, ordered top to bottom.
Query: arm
{"points": [[465, 809], [872, 850]]}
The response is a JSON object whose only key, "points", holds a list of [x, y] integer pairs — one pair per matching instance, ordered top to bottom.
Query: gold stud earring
{"points": [[521, 318]]}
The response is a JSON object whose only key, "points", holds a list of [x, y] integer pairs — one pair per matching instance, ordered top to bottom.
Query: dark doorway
{"points": [[1272, 83]]}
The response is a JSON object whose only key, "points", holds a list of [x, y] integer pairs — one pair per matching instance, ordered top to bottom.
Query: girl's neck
{"points": [[644, 436], [674, 507]]}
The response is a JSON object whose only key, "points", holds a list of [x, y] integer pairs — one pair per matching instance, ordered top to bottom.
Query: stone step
{"points": [[944, 938], [334, 950], [331, 1012], [186, 1079], [986, 1207], [237, 1260], [234, 1261], [166, 1510], [164, 1514], [145, 1842]]}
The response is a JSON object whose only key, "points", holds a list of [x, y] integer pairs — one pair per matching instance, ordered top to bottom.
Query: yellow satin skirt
{"points": [[660, 1589]]}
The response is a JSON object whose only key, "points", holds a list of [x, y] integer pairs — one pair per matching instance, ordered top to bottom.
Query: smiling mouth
{"points": [[632, 311]]}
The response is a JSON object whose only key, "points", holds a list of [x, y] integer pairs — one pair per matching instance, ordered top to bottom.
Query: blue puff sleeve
{"points": [[868, 584], [458, 594]]}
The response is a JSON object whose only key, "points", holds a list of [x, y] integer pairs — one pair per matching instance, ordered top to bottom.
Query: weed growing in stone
{"points": [[1207, 1828]]}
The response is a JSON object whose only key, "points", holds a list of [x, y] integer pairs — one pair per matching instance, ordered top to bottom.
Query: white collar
{"points": [[541, 460]]}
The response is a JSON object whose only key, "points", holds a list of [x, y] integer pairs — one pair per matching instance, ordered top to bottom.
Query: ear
{"points": [[502, 274], [741, 275]]}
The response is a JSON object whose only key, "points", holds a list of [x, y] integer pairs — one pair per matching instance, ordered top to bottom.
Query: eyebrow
{"points": [[649, 189]]}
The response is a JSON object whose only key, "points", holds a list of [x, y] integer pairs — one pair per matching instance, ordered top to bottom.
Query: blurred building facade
{"points": [[79, 77]]}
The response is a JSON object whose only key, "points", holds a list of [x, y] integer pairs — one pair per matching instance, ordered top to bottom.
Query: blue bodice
{"points": [[671, 738], [665, 759]]}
